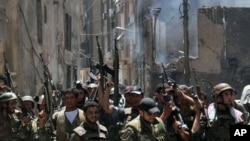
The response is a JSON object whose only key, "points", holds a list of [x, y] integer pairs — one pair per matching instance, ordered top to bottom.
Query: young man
{"points": [[82, 94], [29, 104], [168, 113], [221, 114], [69, 117], [115, 117], [12, 125], [147, 126], [91, 129]]}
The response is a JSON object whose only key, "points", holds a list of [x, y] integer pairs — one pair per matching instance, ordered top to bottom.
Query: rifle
{"points": [[101, 63], [7, 73], [116, 74], [163, 80], [10, 85], [48, 87], [198, 89], [201, 96], [166, 97], [176, 112]]}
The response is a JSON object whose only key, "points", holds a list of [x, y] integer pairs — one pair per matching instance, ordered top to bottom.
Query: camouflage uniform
{"points": [[120, 116], [221, 119], [10, 124], [9, 127], [220, 127], [140, 130], [86, 133], [40, 134]]}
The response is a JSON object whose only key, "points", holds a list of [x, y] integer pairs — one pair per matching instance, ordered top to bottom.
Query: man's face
{"points": [[81, 95], [227, 97], [128, 98], [135, 99], [70, 100], [28, 105], [11, 106], [92, 115], [149, 117]]}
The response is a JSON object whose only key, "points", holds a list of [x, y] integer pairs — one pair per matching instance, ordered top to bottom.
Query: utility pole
{"points": [[154, 12], [186, 42], [116, 54]]}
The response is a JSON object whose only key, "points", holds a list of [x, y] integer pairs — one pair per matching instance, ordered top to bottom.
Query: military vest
{"points": [[9, 127], [64, 128], [220, 128]]}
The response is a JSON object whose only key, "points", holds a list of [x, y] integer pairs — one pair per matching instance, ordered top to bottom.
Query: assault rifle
{"points": [[101, 63], [7, 73], [116, 73], [163, 80], [9, 83], [48, 88], [200, 95], [176, 112]]}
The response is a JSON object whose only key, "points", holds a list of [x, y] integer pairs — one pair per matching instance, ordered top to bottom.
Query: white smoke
{"points": [[169, 30]]}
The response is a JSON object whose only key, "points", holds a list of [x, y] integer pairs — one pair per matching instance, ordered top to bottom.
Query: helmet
{"points": [[220, 88], [7, 96], [28, 98]]}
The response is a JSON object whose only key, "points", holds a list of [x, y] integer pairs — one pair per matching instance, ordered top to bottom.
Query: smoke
{"points": [[169, 25]]}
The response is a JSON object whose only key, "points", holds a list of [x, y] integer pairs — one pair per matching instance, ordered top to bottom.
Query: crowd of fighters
{"points": [[86, 112]]}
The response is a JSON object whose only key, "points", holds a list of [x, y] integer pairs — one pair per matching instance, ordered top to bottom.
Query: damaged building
{"points": [[223, 49]]}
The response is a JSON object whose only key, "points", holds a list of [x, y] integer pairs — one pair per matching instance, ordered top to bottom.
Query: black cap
{"points": [[149, 105]]}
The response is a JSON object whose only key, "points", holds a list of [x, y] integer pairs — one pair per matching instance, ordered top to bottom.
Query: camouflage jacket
{"points": [[220, 127], [11, 129], [140, 130], [40, 134]]}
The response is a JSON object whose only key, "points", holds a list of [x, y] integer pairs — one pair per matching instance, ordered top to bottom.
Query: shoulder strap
{"points": [[102, 128], [80, 131]]}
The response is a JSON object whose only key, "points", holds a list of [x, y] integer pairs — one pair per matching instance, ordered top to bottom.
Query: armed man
{"points": [[82, 94], [29, 105], [170, 113], [221, 114], [69, 117], [115, 117], [13, 126], [147, 126], [91, 130]]}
